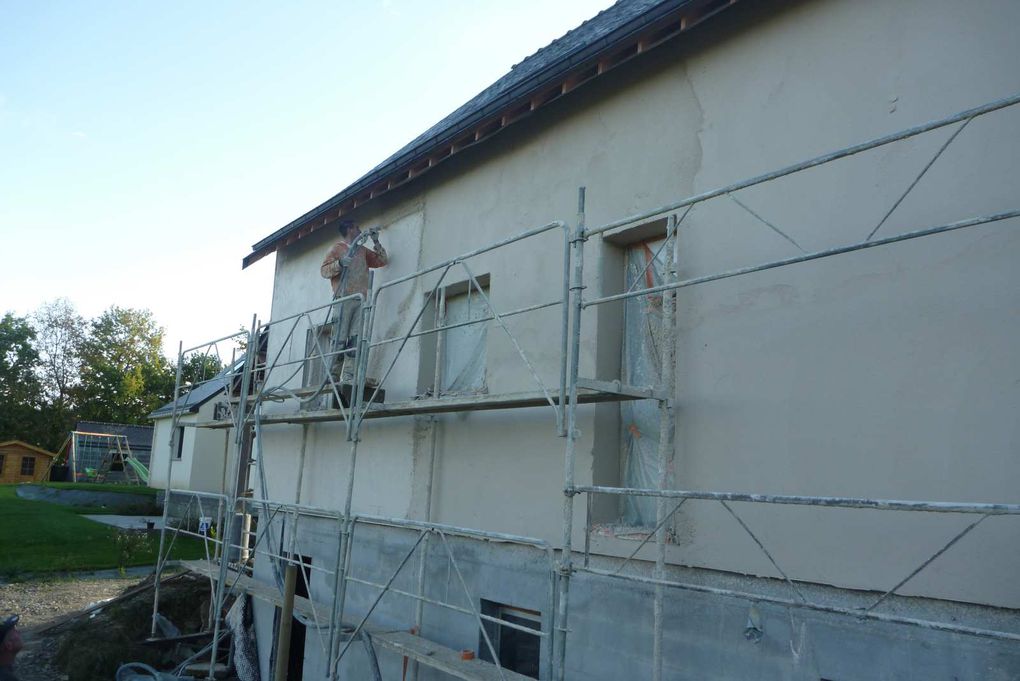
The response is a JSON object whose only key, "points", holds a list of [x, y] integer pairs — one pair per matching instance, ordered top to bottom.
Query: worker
{"points": [[346, 266], [10, 645]]}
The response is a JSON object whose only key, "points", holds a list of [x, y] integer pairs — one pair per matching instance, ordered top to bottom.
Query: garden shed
{"points": [[22, 462]]}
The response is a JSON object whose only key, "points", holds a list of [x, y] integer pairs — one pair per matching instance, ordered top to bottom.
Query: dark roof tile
{"points": [[564, 52]]}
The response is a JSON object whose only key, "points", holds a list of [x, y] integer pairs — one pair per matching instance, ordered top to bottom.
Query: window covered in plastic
{"points": [[641, 366]]}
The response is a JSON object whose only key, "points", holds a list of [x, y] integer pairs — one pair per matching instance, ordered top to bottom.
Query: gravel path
{"points": [[41, 602]]}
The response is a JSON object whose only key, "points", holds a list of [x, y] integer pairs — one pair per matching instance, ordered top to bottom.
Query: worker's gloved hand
{"points": [[374, 234], [346, 260]]}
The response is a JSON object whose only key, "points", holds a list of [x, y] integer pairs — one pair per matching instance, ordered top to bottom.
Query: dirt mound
{"points": [[43, 601], [93, 647]]}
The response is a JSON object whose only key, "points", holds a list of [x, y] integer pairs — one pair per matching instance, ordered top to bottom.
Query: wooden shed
{"points": [[22, 462]]}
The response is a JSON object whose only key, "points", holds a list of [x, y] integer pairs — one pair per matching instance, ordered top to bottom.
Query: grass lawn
{"points": [[36, 536]]}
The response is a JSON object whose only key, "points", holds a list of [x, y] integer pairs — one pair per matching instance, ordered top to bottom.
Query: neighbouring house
{"points": [[886, 373], [195, 458], [22, 462]]}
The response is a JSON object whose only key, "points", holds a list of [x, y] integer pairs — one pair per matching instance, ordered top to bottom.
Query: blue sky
{"points": [[145, 146]]}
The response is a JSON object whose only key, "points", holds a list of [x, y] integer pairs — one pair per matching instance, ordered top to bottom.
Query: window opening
{"points": [[464, 354], [323, 358], [641, 365], [314, 370], [179, 444], [1, 464], [28, 465], [298, 630], [518, 650]]}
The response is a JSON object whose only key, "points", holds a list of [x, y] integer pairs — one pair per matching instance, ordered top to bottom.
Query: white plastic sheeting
{"points": [[464, 347], [641, 366]]}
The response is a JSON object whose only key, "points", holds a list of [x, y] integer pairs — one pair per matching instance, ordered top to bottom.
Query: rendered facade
{"points": [[884, 373]]}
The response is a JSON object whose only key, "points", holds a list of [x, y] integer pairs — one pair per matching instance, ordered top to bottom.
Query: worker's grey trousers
{"points": [[346, 321]]}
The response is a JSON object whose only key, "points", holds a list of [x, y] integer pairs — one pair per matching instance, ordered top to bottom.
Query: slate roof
{"points": [[601, 32], [557, 52], [199, 395], [138, 437]]}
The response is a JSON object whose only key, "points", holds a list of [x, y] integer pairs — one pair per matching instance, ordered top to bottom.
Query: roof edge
{"points": [[652, 28], [189, 409], [38, 450]]}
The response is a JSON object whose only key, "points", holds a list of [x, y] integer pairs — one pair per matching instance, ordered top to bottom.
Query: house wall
{"points": [[888, 373], [201, 466], [704, 635]]}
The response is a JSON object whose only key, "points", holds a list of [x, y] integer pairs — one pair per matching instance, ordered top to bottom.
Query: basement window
{"points": [[298, 631], [519, 651]]}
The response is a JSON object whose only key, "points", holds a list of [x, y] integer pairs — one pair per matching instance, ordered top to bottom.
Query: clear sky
{"points": [[145, 146]]}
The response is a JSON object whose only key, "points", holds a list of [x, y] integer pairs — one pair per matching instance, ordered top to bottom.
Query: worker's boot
{"points": [[349, 361]]}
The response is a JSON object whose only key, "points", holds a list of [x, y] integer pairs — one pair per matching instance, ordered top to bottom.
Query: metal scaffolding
{"points": [[279, 371]]}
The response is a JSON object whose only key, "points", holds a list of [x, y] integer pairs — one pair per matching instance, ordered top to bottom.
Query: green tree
{"points": [[60, 333], [199, 367], [124, 374], [21, 394]]}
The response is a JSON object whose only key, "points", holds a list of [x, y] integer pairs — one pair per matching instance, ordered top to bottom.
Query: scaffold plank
{"points": [[599, 391], [260, 590], [403, 643], [442, 658]]}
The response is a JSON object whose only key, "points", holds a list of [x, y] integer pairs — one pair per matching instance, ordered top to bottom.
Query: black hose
{"points": [[373, 661]]}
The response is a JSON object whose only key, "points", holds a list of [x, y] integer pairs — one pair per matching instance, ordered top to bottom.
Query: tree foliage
{"points": [[60, 332], [199, 367], [56, 368], [124, 374], [21, 392]]}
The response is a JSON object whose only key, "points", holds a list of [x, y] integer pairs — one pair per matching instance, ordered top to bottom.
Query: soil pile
{"points": [[92, 647]]}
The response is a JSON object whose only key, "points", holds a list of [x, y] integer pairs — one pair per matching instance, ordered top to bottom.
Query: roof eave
{"points": [[651, 29], [159, 413]]}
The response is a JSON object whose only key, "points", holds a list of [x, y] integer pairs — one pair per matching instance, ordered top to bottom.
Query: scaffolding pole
{"points": [[812, 162], [667, 376], [166, 494], [565, 565], [563, 571]]}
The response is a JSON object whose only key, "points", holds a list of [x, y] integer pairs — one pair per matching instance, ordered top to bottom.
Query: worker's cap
{"points": [[344, 225], [8, 624]]}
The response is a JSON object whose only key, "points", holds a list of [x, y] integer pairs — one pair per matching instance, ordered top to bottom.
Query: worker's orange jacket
{"points": [[357, 274]]}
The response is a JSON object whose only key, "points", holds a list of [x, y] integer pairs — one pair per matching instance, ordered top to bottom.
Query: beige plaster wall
{"points": [[890, 373]]}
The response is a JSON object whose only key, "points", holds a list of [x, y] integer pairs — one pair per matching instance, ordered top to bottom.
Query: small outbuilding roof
{"points": [[615, 35], [25, 445]]}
